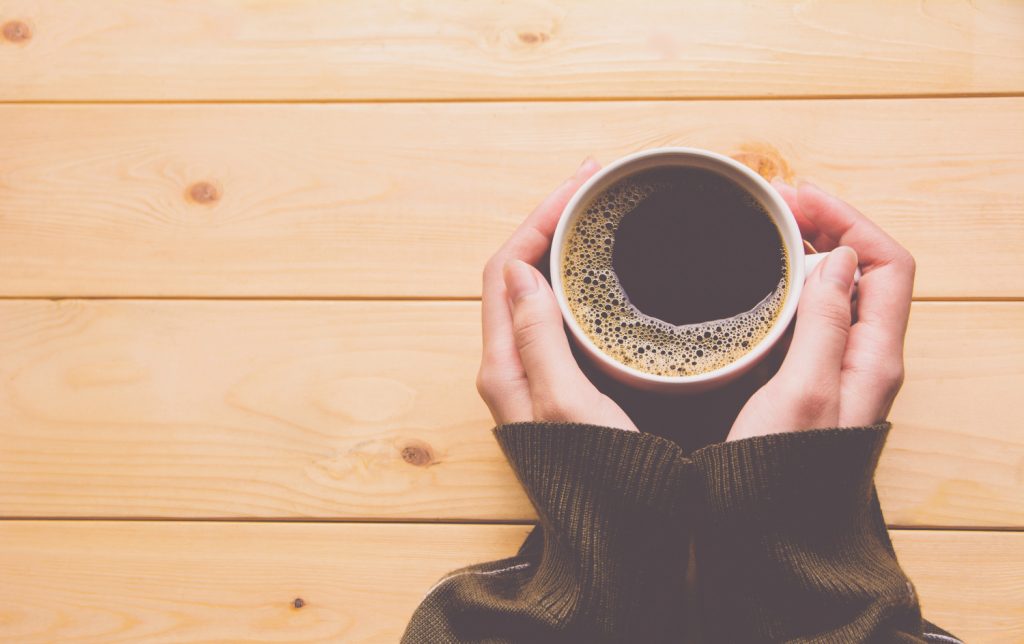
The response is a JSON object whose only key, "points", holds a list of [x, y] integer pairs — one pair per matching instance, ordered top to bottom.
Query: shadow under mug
{"points": [[801, 263]]}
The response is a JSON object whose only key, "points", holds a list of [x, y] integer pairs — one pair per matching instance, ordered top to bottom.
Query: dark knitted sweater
{"points": [[789, 542]]}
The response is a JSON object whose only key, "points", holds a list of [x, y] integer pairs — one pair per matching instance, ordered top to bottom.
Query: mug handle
{"points": [[813, 259]]}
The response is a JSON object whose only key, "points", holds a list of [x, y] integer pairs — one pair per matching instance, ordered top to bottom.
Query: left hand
{"points": [[528, 372], [836, 374]]}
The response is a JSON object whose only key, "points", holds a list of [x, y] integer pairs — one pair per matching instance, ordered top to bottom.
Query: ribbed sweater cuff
{"points": [[568, 465], [809, 479], [611, 505], [792, 544]]}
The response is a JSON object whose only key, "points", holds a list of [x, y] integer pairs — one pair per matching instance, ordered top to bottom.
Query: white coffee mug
{"points": [[801, 263]]}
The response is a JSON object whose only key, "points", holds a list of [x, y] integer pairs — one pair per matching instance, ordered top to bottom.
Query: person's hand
{"points": [[527, 371], [836, 374]]}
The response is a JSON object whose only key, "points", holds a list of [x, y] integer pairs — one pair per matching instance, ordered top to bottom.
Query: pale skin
{"points": [[835, 374]]}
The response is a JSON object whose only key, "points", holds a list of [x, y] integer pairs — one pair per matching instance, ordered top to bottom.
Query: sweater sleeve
{"points": [[791, 543], [607, 561]]}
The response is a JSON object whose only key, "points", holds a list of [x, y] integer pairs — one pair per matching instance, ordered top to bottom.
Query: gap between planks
{"points": [[538, 99], [415, 521]]}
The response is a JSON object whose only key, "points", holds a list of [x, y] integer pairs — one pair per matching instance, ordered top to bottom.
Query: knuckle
{"points": [[900, 258], [907, 261], [891, 378], [481, 380], [484, 382], [491, 382], [495, 385]]}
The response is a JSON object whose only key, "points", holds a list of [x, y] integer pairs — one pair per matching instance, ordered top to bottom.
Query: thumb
{"points": [[537, 328], [815, 355]]}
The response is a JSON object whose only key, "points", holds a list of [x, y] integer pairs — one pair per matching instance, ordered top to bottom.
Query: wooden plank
{"points": [[320, 49], [410, 200], [257, 409], [368, 410], [956, 415], [85, 581], [970, 583]]}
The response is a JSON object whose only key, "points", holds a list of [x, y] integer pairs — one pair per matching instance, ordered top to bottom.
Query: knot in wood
{"points": [[16, 31], [533, 38], [764, 160], [203, 193], [417, 453]]}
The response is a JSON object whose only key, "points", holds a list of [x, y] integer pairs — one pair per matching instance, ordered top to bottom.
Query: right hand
{"points": [[528, 372], [836, 374]]}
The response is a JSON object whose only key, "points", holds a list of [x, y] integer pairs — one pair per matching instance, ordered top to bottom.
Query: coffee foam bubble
{"points": [[600, 306]]}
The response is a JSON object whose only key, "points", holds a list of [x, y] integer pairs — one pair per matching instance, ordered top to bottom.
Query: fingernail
{"points": [[587, 164], [807, 185], [839, 266], [519, 279]]}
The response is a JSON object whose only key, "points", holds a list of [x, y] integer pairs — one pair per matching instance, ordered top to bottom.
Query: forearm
{"points": [[612, 507], [791, 542], [607, 562]]}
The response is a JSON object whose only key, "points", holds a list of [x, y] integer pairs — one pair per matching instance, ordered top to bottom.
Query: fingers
{"points": [[788, 194], [544, 217], [848, 227], [808, 230], [532, 238], [528, 243], [886, 288], [537, 329], [873, 365], [811, 372], [501, 380], [555, 386]]}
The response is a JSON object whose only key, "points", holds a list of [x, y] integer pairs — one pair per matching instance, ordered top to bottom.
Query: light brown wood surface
{"points": [[319, 49], [410, 200], [368, 410], [229, 414], [85, 581]]}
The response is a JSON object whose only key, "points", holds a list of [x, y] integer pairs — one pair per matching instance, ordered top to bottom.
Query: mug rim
{"points": [[776, 207]]}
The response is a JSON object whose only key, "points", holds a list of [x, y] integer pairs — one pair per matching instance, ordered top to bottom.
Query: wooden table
{"points": [[240, 247]]}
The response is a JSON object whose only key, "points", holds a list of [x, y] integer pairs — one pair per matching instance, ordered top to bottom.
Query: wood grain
{"points": [[319, 49], [410, 200], [293, 409], [368, 410], [956, 418], [983, 567], [86, 581]]}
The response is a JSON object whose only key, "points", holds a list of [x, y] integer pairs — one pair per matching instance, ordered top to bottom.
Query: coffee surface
{"points": [[675, 271]]}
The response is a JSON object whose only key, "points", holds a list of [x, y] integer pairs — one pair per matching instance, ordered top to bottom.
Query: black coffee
{"points": [[675, 271]]}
